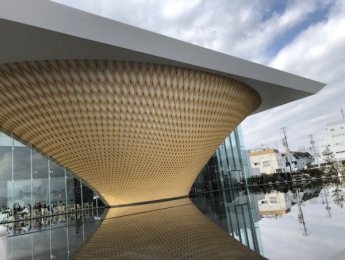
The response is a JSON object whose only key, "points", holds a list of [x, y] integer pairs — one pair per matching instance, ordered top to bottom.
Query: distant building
{"points": [[335, 139], [300, 160], [266, 161], [272, 161], [274, 203]]}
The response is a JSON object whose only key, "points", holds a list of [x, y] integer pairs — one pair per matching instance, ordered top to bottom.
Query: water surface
{"points": [[292, 221]]}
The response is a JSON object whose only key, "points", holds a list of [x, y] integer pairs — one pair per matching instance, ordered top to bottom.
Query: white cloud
{"points": [[176, 8], [235, 27], [248, 29], [317, 53]]}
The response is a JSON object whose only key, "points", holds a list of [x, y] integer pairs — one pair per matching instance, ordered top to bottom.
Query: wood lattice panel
{"points": [[133, 131], [173, 230]]}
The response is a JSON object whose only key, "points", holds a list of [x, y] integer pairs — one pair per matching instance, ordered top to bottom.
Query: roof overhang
{"points": [[44, 30]]}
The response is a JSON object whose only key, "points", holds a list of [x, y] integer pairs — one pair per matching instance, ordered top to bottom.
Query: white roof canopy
{"points": [[44, 30]]}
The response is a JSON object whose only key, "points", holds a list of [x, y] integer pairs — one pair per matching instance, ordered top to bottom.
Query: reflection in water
{"points": [[275, 203], [234, 210], [296, 222], [312, 228], [168, 230], [55, 237]]}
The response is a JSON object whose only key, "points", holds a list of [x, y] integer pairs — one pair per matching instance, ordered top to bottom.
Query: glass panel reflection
{"points": [[33, 186], [56, 237]]}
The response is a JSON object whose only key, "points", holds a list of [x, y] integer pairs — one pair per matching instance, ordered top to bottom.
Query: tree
{"points": [[329, 158], [338, 196]]}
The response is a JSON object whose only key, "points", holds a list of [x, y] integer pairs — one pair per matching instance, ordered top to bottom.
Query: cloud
{"points": [[302, 37], [317, 53]]}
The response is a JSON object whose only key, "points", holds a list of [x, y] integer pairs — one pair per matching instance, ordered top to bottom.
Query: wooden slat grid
{"points": [[133, 131]]}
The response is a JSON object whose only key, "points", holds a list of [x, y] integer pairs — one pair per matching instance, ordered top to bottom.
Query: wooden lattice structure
{"points": [[133, 131]]}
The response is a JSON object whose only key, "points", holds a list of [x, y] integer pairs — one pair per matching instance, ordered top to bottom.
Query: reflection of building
{"points": [[266, 161], [274, 203]]}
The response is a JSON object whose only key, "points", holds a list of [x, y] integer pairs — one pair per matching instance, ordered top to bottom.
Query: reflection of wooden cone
{"points": [[169, 230]]}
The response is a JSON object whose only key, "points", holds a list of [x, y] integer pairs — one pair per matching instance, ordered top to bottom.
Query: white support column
{"points": [[3, 243]]}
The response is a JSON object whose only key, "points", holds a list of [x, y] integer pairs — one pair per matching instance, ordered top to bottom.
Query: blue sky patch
{"points": [[284, 39]]}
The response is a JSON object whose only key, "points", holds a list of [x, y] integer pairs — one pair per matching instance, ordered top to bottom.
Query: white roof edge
{"points": [[141, 44]]}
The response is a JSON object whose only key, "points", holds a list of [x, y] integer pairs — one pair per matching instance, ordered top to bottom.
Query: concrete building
{"points": [[335, 139], [266, 161], [272, 161]]}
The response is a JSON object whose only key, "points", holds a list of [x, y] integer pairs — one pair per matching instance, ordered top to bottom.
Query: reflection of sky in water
{"points": [[283, 237]]}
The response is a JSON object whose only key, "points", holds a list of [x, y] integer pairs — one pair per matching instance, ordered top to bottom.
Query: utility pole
{"points": [[342, 114], [286, 145], [316, 156], [300, 214]]}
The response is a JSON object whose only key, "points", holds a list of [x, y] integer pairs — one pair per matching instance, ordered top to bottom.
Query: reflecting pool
{"points": [[291, 221], [303, 222], [166, 230]]}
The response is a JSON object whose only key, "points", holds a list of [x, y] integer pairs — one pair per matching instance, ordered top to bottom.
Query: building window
{"points": [[266, 163], [273, 200]]}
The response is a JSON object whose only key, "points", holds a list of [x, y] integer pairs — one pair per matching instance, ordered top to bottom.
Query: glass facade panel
{"points": [[5, 182], [21, 182], [40, 184], [221, 184], [32, 185], [57, 189], [70, 192], [77, 194], [87, 197], [51, 237], [58, 243], [41, 245]]}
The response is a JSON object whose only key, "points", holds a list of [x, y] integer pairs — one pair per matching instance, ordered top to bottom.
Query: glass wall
{"points": [[227, 168], [32, 185], [220, 192], [47, 238]]}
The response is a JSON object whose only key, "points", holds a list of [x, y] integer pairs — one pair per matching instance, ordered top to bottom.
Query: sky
{"points": [[306, 38], [322, 237]]}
